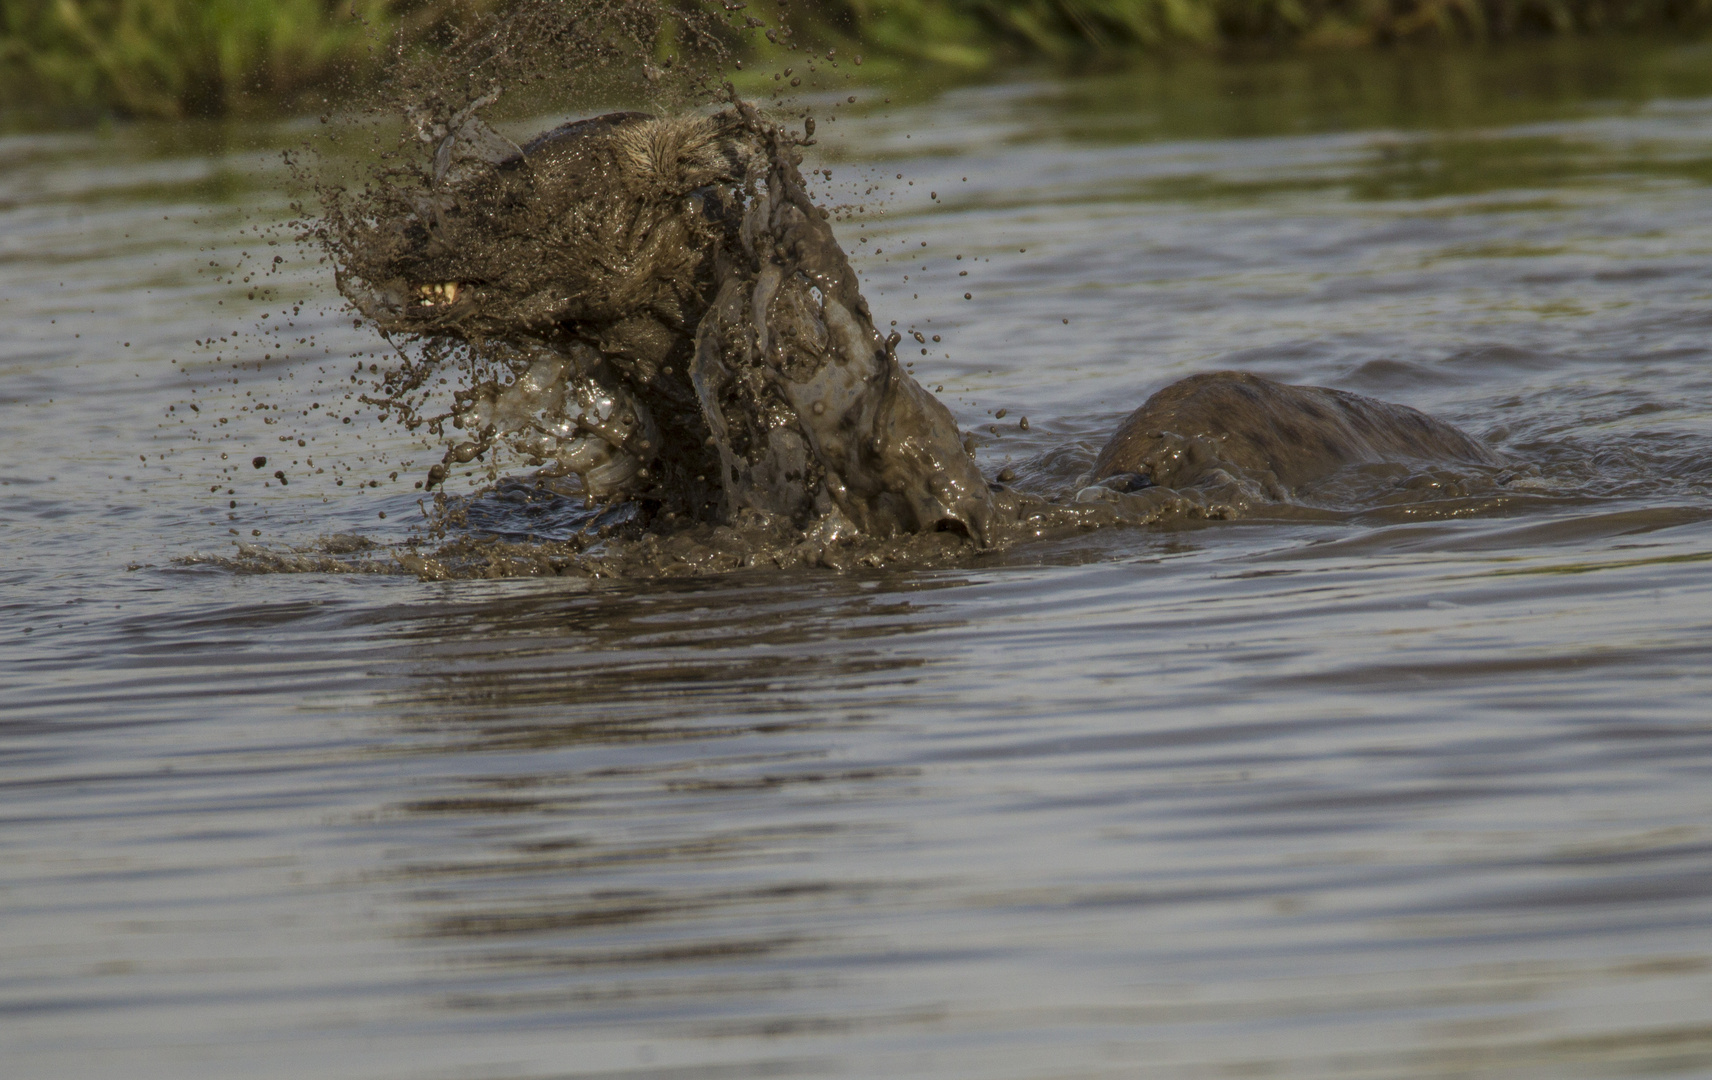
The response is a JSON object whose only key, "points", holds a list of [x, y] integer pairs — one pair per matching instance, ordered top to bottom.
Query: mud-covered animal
{"points": [[666, 313], [674, 322], [1277, 435]]}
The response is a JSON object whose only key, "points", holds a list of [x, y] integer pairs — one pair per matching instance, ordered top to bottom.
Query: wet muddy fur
{"points": [[657, 306], [671, 319], [1279, 435]]}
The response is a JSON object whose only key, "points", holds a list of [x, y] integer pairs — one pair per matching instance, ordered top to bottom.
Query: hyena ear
{"points": [[471, 149]]}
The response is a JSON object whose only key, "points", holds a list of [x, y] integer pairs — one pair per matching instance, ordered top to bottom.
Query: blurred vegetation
{"points": [[981, 31], [179, 58], [183, 58]]}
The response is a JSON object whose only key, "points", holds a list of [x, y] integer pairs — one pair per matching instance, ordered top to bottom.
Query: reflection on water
{"points": [[658, 665], [1418, 792]]}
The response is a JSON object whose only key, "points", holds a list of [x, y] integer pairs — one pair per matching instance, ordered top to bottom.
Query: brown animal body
{"points": [[675, 320], [679, 326], [1293, 435]]}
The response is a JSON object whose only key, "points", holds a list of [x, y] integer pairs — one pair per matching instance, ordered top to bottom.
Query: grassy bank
{"points": [[983, 32], [179, 58]]}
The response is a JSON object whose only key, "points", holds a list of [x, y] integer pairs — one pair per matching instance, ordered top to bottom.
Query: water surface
{"points": [[1417, 791]]}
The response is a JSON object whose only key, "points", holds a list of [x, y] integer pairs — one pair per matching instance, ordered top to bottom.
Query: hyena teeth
{"points": [[435, 295]]}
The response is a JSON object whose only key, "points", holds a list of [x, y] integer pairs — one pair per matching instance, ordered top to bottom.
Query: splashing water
{"points": [[655, 306]]}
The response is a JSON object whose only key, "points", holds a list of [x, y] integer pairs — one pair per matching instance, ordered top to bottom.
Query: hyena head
{"points": [[594, 222]]}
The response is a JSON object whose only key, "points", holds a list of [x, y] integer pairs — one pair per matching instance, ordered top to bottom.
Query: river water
{"points": [[1423, 790]]}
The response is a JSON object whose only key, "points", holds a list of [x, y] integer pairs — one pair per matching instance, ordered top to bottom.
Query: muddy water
{"points": [[1418, 791]]}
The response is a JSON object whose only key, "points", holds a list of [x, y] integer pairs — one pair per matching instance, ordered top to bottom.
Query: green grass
{"points": [[983, 32], [181, 58]]}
